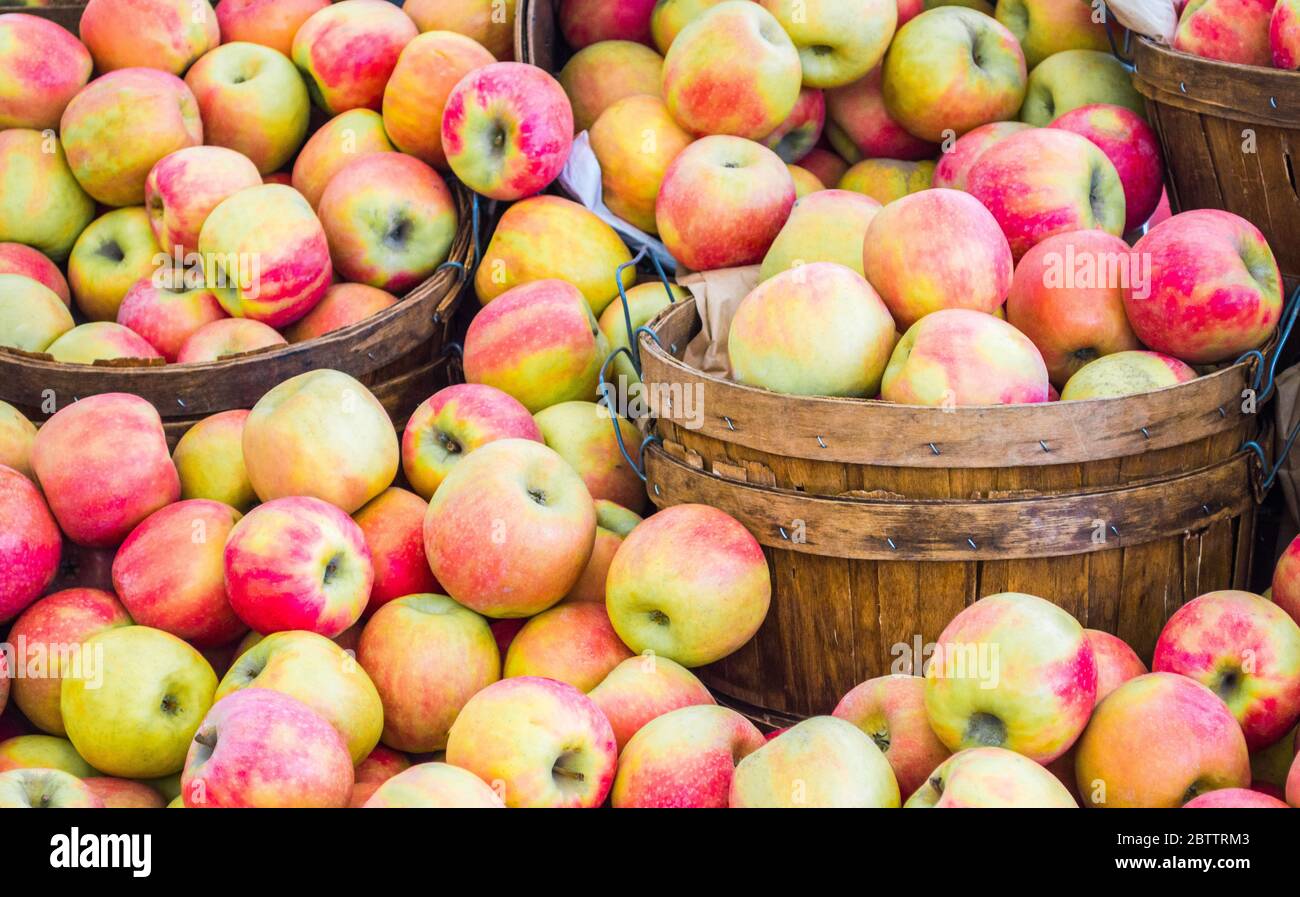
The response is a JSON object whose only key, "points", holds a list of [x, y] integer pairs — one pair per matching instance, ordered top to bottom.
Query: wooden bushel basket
{"points": [[1231, 140], [399, 353], [881, 521]]}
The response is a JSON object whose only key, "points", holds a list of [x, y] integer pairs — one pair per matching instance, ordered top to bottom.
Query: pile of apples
{"points": [[1247, 32], [984, 170], [231, 179], [247, 619], [264, 619]]}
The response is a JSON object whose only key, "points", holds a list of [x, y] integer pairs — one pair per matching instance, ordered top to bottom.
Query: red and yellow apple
{"points": [[488, 22], [271, 23], [1226, 30], [159, 34], [347, 51], [42, 66], [599, 75], [635, 140], [339, 141], [43, 205], [344, 304], [226, 337], [1125, 373], [210, 461], [393, 525], [30, 543], [572, 643], [644, 688], [891, 710], [991, 777]]}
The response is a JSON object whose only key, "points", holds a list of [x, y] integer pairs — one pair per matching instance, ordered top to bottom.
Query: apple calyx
{"points": [[985, 730]]}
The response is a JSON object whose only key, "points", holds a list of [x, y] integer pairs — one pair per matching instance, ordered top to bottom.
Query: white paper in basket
{"points": [[1156, 19], [581, 178]]}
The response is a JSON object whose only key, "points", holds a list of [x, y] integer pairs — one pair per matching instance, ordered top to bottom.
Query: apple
{"points": [[669, 17], [488, 22], [585, 22], [271, 23], [1044, 27], [1227, 30], [159, 34], [1284, 35], [838, 42], [347, 51], [43, 67], [952, 69], [733, 70], [599, 75], [1072, 78], [416, 93], [253, 101], [859, 126], [117, 128], [507, 129], [795, 137], [635, 140], [339, 141], [1131, 145], [958, 158], [826, 165], [886, 180], [1047, 181], [805, 182], [183, 188], [41, 203], [722, 203], [389, 219], [548, 237], [268, 251], [112, 253], [911, 255], [15, 258], [1214, 290], [1067, 296], [644, 301], [344, 304], [166, 312], [31, 315], [818, 329], [225, 337], [99, 341], [538, 342], [962, 357], [1124, 374], [453, 422], [320, 434], [582, 434], [16, 436], [210, 461], [104, 467], [613, 523], [393, 525], [510, 529], [297, 563], [169, 574], [690, 584], [1285, 589], [49, 635], [572, 643], [1244, 648], [427, 656], [1116, 662], [1011, 671], [317, 672], [641, 689], [891, 710], [135, 716], [1160, 740], [540, 743], [262, 748], [42, 752], [685, 758], [823, 762], [380, 765], [991, 777], [430, 785], [1293, 785], [42, 788], [124, 794], [1236, 798]]}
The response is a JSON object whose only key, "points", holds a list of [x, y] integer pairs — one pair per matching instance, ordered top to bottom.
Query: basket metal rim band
{"points": [[856, 431], [963, 530]]}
